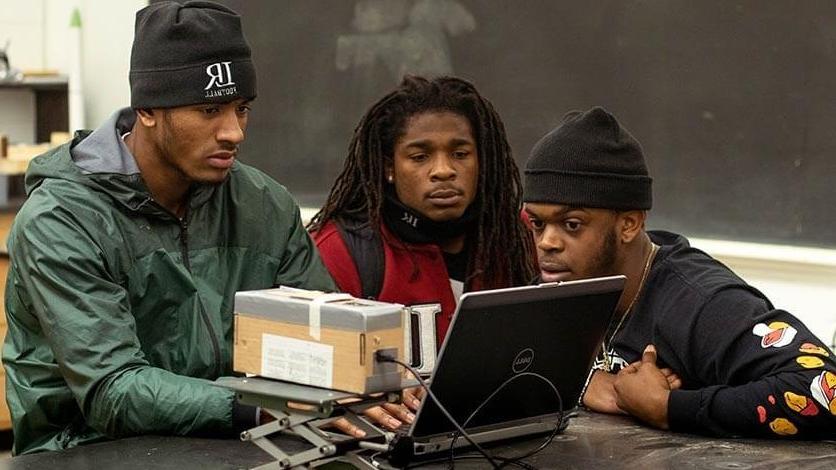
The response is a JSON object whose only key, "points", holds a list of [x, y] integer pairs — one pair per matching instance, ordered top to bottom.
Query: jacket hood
{"points": [[101, 161]]}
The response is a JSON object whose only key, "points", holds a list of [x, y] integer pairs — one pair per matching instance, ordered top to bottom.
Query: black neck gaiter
{"points": [[412, 227]]}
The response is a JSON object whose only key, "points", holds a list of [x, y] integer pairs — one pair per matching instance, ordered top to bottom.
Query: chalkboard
{"points": [[733, 101]]}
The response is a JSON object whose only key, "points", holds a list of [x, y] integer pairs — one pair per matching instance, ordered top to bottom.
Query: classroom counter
{"points": [[592, 441]]}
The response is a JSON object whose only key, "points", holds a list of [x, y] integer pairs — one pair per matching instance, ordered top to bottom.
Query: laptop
{"points": [[535, 335]]}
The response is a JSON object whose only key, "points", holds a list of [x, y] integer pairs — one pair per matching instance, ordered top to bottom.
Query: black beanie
{"points": [[189, 54], [589, 161]]}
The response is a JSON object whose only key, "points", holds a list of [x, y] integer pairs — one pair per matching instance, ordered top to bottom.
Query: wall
{"points": [[39, 33]]}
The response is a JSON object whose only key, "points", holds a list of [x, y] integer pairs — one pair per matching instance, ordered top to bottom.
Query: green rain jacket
{"points": [[119, 313]]}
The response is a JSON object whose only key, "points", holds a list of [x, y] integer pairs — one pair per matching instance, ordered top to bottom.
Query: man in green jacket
{"points": [[127, 254]]}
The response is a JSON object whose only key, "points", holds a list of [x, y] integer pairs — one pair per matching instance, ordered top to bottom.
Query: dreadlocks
{"points": [[501, 247]]}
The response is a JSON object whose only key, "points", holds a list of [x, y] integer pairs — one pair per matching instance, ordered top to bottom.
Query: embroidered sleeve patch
{"points": [[775, 335], [810, 348], [809, 362], [823, 389], [801, 404], [761, 414], [783, 427]]}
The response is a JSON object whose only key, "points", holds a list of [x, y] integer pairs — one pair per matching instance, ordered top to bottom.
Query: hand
{"points": [[673, 380], [642, 390], [600, 394], [412, 397], [390, 416], [341, 424], [344, 426]]}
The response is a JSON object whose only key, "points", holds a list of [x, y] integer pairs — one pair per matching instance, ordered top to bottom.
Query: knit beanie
{"points": [[189, 54], [588, 161]]}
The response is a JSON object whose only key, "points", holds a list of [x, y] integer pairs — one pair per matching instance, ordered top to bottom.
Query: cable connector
{"points": [[382, 356]]}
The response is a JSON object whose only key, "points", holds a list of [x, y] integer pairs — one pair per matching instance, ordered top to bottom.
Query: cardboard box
{"points": [[319, 339]]}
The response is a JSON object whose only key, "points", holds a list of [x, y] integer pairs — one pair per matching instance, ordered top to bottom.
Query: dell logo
{"points": [[523, 360]]}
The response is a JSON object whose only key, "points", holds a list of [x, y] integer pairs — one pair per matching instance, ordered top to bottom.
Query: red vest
{"points": [[414, 274]]}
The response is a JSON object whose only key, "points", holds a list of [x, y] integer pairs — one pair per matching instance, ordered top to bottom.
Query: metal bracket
{"points": [[300, 410], [299, 425]]}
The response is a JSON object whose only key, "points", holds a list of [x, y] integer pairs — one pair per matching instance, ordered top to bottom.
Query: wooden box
{"points": [[319, 339]]}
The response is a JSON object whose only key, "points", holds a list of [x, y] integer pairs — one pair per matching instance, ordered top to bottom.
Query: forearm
{"points": [[758, 366], [146, 399], [777, 406]]}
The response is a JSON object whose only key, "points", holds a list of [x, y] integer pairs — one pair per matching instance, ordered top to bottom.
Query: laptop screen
{"points": [[552, 330]]}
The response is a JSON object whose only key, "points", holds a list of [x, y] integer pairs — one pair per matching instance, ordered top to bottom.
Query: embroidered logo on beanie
{"points": [[220, 77]]}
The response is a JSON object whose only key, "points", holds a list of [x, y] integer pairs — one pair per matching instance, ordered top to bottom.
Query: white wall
{"points": [[21, 21], [39, 33]]}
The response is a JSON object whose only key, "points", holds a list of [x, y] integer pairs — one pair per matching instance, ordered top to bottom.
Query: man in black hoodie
{"points": [[691, 347]]}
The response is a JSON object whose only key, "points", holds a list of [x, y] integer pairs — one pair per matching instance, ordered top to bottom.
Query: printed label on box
{"points": [[296, 360]]}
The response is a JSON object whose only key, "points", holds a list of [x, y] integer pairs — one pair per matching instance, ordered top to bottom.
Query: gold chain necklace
{"points": [[604, 349]]}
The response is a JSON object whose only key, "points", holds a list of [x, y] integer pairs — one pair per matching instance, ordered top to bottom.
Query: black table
{"points": [[592, 441]]}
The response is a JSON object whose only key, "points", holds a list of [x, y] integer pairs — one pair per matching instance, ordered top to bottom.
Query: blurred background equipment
{"points": [[7, 72]]}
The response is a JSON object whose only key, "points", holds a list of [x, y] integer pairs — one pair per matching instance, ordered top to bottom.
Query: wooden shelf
{"points": [[52, 108]]}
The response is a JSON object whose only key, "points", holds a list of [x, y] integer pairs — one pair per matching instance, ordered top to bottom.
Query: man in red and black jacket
{"points": [[427, 206]]}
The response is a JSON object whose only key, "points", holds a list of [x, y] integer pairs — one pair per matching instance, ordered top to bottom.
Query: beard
{"points": [[604, 263]]}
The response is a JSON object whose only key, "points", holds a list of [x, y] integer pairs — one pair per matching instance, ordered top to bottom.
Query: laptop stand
{"points": [[301, 410]]}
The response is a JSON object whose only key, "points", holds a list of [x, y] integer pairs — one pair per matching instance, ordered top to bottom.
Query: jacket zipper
{"points": [[184, 246]]}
